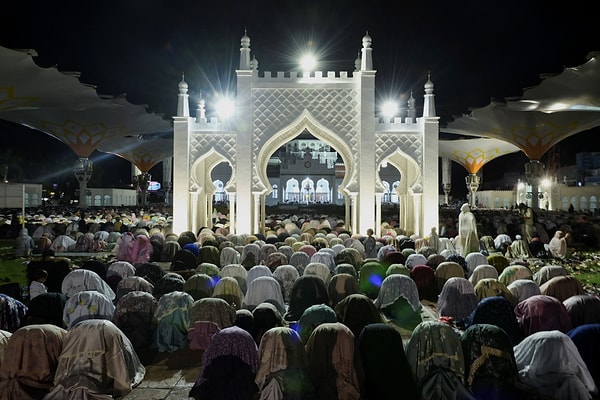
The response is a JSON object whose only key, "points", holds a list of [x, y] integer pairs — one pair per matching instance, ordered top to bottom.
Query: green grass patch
{"points": [[13, 270]]}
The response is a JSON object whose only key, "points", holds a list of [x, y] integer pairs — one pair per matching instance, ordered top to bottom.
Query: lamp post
{"points": [[83, 169], [534, 171], [472, 181], [140, 182]]}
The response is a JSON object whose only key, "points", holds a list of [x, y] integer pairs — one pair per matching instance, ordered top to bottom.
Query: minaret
{"points": [[245, 52], [357, 62], [366, 62], [254, 64], [429, 103], [183, 105], [201, 110], [412, 111]]}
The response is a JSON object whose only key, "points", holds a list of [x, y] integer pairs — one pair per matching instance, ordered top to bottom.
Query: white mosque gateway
{"points": [[272, 110]]}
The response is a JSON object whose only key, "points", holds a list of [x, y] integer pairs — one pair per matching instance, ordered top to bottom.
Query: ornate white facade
{"points": [[336, 108]]}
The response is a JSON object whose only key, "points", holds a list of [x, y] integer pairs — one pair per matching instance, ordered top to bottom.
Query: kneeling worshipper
{"points": [[398, 301], [435, 356], [97, 362], [550, 364], [229, 367], [28, 368], [283, 369], [387, 372]]}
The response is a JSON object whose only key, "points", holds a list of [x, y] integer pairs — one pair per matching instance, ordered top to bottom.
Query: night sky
{"points": [[474, 51]]}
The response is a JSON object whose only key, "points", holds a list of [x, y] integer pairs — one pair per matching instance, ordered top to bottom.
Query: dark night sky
{"points": [[474, 50]]}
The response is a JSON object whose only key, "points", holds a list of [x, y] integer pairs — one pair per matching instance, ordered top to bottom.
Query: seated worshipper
{"points": [[502, 242], [24, 243], [62, 244], [558, 245], [537, 247], [170, 248], [519, 248], [209, 254], [229, 255], [250, 255], [350, 256], [415, 259], [183, 260], [474, 260], [498, 261], [96, 266], [345, 268], [209, 269], [319, 269], [397, 269], [447, 270], [117, 271], [151, 272], [238, 272], [256, 272], [482, 272], [513, 272], [548, 272], [286, 275], [370, 276], [424, 277], [80, 280], [169, 282], [133, 284], [199, 286], [340, 286], [37, 287], [490, 287], [562, 287], [264, 288], [228, 289], [522, 289], [307, 291], [457, 299], [398, 301], [87, 304], [47, 308], [212, 309], [583, 309], [357, 311], [12, 312], [500, 312], [542, 313], [135, 315], [265, 316], [312, 317], [173, 318], [200, 334], [4, 336], [585, 337], [434, 353], [31, 358], [97, 361], [334, 364], [550, 364], [282, 366], [490, 366], [228, 368], [386, 369]]}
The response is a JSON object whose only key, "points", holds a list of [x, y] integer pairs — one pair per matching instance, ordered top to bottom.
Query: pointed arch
{"points": [[304, 122], [201, 172]]}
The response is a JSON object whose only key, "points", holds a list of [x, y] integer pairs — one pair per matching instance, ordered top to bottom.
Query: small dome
{"points": [[245, 40], [366, 40], [183, 84], [428, 84]]}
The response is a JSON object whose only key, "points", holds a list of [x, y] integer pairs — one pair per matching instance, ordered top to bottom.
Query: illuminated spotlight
{"points": [[308, 62], [225, 108], [389, 109], [546, 182]]}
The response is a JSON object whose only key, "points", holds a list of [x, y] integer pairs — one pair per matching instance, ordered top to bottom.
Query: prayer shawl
{"points": [[542, 313], [97, 362], [550, 363]]}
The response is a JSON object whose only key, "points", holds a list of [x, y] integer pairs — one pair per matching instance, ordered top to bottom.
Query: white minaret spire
{"points": [[245, 52], [366, 62], [429, 102], [183, 105]]}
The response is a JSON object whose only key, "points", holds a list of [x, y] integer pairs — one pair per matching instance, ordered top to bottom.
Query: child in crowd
{"points": [[37, 286]]}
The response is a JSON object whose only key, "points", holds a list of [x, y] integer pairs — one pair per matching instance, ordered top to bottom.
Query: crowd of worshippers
{"points": [[309, 310]]}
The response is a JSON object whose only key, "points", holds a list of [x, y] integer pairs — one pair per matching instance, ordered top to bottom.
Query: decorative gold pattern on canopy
{"points": [[473, 154]]}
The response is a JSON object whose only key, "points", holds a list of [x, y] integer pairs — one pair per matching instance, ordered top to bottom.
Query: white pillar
{"points": [[255, 212], [232, 213], [193, 226], [377, 226]]}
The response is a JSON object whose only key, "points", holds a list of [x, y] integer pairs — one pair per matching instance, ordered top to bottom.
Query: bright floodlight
{"points": [[308, 62], [225, 108], [389, 109]]}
